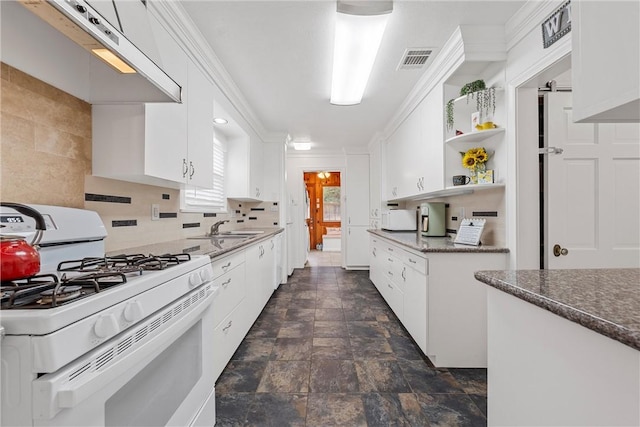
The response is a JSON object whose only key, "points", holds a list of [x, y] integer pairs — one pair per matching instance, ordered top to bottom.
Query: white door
{"points": [[592, 193]]}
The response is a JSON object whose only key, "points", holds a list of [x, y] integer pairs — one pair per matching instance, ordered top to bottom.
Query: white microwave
{"points": [[399, 220]]}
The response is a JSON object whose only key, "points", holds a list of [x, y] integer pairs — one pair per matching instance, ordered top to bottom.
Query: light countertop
{"points": [[414, 240], [205, 246], [606, 301]]}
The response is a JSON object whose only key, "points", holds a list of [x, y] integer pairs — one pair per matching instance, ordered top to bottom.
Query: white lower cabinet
{"points": [[356, 244], [260, 267], [376, 268], [245, 280], [416, 298], [437, 299], [228, 308], [227, 336]]}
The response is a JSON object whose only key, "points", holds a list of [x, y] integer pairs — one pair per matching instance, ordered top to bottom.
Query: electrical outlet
{"points": [[155, 212]]}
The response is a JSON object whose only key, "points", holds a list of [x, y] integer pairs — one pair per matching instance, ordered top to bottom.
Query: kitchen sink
{"points": [[224, 236]]}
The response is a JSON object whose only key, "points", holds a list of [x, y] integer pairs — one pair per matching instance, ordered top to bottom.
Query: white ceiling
{"points": [[279, 54]]}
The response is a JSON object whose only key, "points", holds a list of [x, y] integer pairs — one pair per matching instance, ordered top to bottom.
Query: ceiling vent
{"points": [[414, 58]]}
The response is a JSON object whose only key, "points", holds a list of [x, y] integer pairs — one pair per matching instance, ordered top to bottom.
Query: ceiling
{"points": [[279, 55]]}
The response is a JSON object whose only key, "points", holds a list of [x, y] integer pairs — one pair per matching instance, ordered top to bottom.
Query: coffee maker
{"points": [[433, 219]]}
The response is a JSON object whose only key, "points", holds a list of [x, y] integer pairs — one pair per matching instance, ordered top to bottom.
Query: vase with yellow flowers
{"points": [[475, 160]]}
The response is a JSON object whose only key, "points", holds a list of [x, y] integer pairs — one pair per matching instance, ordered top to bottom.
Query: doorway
{"points": [[584, 202], [323, 217]]}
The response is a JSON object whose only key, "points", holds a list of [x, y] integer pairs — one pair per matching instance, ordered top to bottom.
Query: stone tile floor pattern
{"points": [[328, 351]]}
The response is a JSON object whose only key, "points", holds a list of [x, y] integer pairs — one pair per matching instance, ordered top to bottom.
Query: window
{"points": [[214, 199], [330, 204]]}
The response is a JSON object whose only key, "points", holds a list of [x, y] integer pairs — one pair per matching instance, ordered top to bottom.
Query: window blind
{"points": [[213, 199]]}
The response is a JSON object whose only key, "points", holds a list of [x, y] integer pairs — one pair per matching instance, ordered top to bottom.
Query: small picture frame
{"points": [[475, 121], [485, 177]]}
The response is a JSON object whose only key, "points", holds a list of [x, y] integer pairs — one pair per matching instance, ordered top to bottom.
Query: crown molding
{"points": [[176, 20], [525, 20], [472, 43]]}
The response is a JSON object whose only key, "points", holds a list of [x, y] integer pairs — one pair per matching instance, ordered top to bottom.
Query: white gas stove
{"points": [[81, 338]]}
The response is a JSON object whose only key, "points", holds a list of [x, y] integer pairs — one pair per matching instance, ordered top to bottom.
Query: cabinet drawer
{"points": [[416, 262], [228, 263], [393, 269], [232, 291], [394, 297], [227, 336]]}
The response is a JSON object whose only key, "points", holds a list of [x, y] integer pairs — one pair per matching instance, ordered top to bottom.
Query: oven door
{"points": [[159, 372]]}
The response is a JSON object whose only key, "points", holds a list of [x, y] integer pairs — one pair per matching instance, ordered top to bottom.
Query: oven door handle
{"points": [[70, 397]]}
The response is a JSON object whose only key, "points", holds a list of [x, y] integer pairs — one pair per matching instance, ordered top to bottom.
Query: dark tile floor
{"points": [[328, 351]]}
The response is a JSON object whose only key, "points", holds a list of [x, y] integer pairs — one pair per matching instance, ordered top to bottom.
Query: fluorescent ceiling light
{"points": [[357, 40], [113, 60], [220, 121], [302, 146]]}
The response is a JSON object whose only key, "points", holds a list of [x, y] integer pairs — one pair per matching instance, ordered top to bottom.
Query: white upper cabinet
{"points": [[605, 60], [199, 129], [165, 144], [414, 151], [421, 158], [430, 165], [245, 171]]}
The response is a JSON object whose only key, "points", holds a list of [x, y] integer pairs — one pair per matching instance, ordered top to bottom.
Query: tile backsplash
{"points": [[45, 158], [486, 204]]}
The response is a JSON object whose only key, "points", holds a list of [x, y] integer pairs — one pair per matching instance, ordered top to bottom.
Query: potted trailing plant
{"points": [[485, 100]]}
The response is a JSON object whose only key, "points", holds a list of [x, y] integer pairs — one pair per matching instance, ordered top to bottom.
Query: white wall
{"points": [[526, 59]]}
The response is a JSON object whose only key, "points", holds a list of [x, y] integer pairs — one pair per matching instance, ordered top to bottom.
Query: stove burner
{"points": [[136, 263], [81, 278], [98, 281], [49, 291], [60, 294]]}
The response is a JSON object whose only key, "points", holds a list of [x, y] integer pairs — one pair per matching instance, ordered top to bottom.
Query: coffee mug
{"points": [[461, 180]]}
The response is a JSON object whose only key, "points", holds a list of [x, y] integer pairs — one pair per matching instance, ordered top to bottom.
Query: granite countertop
{"points": [[416, 241], [203, 246], [606, 301]]}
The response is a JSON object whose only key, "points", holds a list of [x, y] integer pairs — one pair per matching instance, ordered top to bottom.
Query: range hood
{"points": [[65, 52]]}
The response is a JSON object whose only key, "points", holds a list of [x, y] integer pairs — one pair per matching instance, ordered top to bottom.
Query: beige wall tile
{"points": [[16, 131], [480, 201]]}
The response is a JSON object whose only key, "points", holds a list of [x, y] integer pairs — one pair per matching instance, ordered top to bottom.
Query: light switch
{"points": [[155, 212]]}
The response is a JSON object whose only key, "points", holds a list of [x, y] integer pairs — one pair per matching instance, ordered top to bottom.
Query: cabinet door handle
{"points": [[185, 168], [192, 170], [412, 261], [224, 267], [404, 270], [389, 273], [226, 283], [390, 287], [228, 326]]}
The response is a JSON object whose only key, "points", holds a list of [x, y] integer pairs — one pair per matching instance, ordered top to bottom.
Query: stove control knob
{"points": [[205, 275], [194, 279], [133, 311], [106, 326]]}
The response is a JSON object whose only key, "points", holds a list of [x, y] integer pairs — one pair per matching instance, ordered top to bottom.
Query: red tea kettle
{"points": [[19, 259]]}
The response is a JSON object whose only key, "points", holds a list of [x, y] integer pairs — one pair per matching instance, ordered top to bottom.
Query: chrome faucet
{"points": [[214, 228]]}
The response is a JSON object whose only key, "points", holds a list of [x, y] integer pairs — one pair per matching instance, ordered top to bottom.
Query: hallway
{"points": [[328, 351]]}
